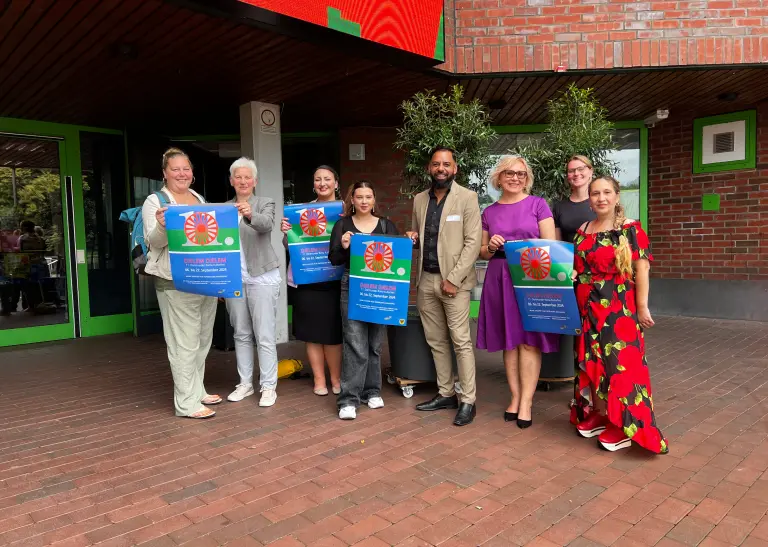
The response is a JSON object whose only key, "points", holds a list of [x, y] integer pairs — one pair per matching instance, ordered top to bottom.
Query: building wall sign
{"points": [[415, 26]]}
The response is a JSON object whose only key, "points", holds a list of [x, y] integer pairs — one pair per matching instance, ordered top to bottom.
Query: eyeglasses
{"points": [[578, 170], [522, 175]]}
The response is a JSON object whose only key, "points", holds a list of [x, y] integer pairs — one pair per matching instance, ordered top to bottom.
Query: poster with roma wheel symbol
{"points": [[308, 240], [204, 247], [541, 273], [379, 278]]}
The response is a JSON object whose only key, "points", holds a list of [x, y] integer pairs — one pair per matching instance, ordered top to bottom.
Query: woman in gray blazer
{"points": [[254, 315]]}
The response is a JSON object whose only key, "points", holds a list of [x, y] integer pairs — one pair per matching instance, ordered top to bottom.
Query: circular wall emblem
{"points": [[313, 222], [201, 228], [378, 257], [536, 263]]}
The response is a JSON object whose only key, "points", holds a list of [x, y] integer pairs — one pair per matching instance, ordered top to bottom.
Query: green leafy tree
{"points": [[431, 120], [577, 124], [38, 198]]}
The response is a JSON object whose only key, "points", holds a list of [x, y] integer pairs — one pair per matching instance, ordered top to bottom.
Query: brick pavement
{"points": [[90, 453]]}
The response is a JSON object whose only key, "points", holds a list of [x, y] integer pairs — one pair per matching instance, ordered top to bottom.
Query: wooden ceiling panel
{"points": [[162, 66]]}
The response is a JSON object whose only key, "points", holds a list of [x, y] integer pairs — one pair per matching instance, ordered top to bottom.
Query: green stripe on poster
{"points": [[227, 239]]}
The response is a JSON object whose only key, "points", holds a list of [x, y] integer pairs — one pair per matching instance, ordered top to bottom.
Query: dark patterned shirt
{"points": [[431, 229]]}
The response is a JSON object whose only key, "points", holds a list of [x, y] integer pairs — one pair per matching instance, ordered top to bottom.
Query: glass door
{"points": [[36, 285]]}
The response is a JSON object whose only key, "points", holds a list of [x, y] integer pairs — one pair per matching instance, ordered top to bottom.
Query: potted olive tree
{"points": [[431, 120], [576, 124]]}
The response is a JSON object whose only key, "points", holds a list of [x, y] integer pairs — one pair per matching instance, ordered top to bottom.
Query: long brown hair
{"points": [[349, 208], [623, 251]]}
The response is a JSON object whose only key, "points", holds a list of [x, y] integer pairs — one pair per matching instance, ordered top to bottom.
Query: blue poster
{"points": [[308, 241], [204, 245], [541, 272], [379, 278]]}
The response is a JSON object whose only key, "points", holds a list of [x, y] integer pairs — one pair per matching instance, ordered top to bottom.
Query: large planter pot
{"points": [[410, 355], [559, 365]]}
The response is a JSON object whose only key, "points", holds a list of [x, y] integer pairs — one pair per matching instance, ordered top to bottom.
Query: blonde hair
{"points": [[172, 153], [583, 159], [505, 164], [623, 251]]}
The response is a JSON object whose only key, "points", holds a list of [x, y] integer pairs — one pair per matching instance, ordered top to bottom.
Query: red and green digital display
{"points": [[415, 26]]}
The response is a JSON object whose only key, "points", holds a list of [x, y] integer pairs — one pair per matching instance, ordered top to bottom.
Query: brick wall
{"points": [[540, 35], [382, 166], [689, 243]]}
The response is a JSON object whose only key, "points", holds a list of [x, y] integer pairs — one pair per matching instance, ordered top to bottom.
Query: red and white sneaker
{"points": [[592, 426], [613, 439]]}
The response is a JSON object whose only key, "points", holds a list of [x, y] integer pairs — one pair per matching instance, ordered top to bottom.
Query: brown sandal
{"points": [[211, 400], [202, 414]]}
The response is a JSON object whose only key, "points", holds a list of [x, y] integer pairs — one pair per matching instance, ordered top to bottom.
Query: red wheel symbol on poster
{"points": [[313, 222], [201, 228], [378, 257], [536, 263]]}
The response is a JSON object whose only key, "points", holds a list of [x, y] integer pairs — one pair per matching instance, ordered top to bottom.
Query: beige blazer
{"points": [[459, 238]]}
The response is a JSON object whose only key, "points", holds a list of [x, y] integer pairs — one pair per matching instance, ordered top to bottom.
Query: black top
{"points": [[570, 215], [431, 229], [337, 254]]}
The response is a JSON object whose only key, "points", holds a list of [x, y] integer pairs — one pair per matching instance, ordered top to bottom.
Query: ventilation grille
{"points": [[723, 142]]}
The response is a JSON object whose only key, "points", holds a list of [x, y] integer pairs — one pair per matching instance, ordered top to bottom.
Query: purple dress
{"points": [[500, 326]]}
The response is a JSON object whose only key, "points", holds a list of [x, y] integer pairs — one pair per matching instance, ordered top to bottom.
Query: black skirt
{"points": [[317, 312]]}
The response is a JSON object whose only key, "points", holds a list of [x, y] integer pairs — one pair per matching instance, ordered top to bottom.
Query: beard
{"points": [[442, 184]]}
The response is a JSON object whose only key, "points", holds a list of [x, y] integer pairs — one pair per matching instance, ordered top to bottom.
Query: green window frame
{"points": [[639, 125], [750, 142]]}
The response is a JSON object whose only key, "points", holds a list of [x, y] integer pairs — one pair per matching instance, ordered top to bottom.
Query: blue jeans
{"points": [[361, 364]]}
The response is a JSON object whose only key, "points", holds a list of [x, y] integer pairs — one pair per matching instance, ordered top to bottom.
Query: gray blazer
{"points": [[255, 238]]}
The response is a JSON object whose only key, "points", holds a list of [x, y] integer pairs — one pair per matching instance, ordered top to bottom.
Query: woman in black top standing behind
{"points": [[571, 213], [361, 354]]}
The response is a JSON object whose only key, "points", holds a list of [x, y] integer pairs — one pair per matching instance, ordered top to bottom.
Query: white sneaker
{"points": [[241, 392], [268, 397], [375, 402], [347, 413]]}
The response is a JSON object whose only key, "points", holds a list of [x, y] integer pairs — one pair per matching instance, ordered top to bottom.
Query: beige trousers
{"points": [[446, 321], [188, 329]]}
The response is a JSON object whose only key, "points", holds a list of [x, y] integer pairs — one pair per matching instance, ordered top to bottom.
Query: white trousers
{"points": [[255, 316], [188, 329]]}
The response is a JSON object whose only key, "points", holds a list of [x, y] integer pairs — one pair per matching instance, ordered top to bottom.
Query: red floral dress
{"points": [[610, 351]]}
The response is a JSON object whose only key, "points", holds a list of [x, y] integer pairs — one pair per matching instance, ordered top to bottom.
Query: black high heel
{"points": [[510, 416], [524, 424]]}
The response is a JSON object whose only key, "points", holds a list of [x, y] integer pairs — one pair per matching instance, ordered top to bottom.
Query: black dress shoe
{"points": [[438, 402], [465, 415], [510, 416], [523, 424]]}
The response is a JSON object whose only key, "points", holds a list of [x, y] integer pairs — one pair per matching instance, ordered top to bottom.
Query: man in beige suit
{"points": [[448, 232]]}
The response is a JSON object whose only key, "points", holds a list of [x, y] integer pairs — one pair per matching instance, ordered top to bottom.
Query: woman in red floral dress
{"points": [[613, 390]]}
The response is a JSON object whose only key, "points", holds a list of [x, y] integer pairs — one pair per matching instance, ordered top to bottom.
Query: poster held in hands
{"points": [[308, 241], [204, 248], [541, 273], [379, 278]]}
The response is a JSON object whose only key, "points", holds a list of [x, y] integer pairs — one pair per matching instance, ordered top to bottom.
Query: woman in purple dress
{"points": [[517, 215]]}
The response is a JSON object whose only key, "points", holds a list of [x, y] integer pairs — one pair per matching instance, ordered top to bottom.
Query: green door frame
{"points": [[540, 128], [68, 137]]}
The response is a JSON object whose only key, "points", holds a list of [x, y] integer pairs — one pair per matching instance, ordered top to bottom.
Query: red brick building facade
{"points": [[695, 59]]}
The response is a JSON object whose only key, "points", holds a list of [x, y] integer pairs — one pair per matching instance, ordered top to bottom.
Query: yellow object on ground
{"points": [[288, 367]]}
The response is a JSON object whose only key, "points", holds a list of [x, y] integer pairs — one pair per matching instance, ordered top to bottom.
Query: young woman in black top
{"points": [[571, 213], [361, 354]]}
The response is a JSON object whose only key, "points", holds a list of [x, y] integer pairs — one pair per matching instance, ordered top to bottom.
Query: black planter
{"points": [[410, 355], [560, 365]]}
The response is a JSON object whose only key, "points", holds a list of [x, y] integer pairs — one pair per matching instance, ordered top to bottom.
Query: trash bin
{"points": [[223, 333], [410, 355]]}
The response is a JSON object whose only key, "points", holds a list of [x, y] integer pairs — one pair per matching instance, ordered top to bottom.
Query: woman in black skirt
{"points": [[317, 307]]}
